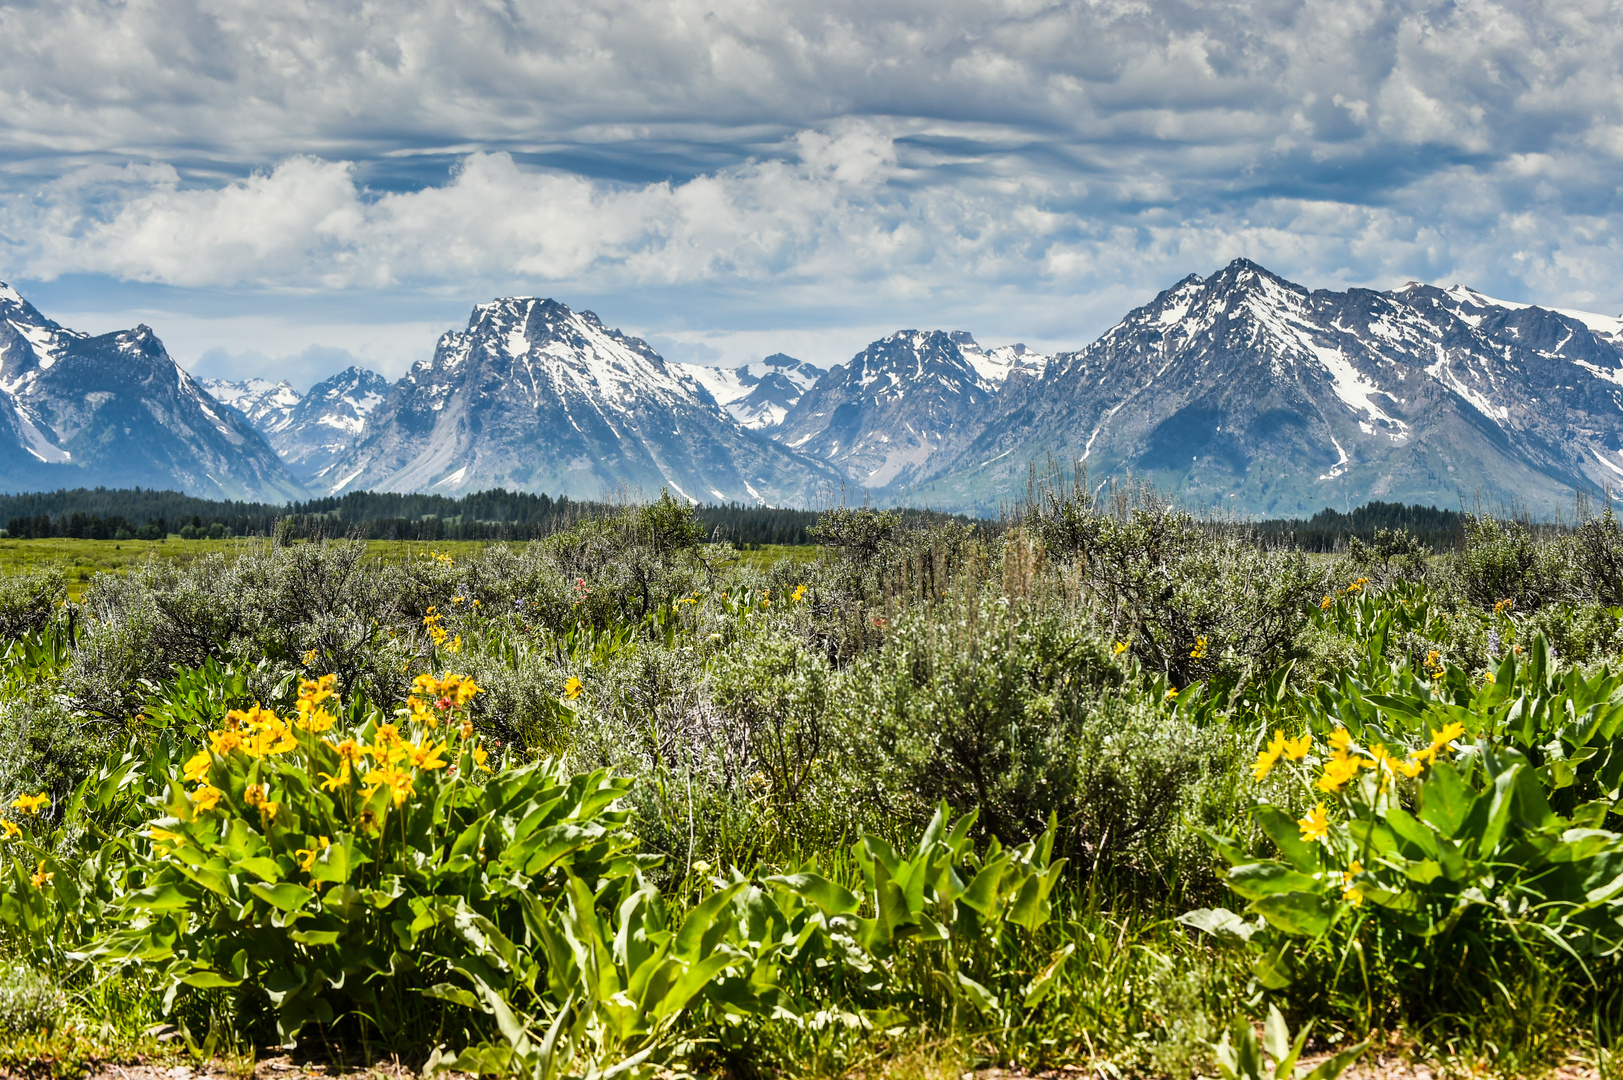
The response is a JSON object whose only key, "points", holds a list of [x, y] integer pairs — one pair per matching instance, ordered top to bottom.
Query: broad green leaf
{"points": [[1256, 879], [285, 896], [833, 898], [1300, 914]]}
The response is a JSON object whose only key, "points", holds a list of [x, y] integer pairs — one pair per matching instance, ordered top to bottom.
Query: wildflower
{"points": [[799, 593], [457, 599], [1505, 605], [880, 623], [454, 645], [1496, 645], [1118, 648], [1199, 651], [310, 657], [1434, 664], [1488, 678], [573, 687], [316, 691], [1170, 695], [315, 722], [466, 729], [388, 735], [1339, 739], [1296, 749], [350, 751], [427, 756], [480, 756], [1268, 756], [197, 766], [1410, 768], [1337, 771], [391, 776], [332, 781], [254, 795], [206, 798], [32, 804], [369, 821], [1316, 826], [10, 827], [163, 835], [307, 856], [701, 867], [41, 877], [1349, 891]]}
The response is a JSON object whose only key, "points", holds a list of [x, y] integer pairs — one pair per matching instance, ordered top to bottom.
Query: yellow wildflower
{"points": [[799, 593], [1324, 605], [1503, 606], [1118, 648], [1199, 651], [310, 657], [573, 687], [316, 691], [1171, 694], [315, 722], [1339, 740], [223, 742], [1296, 749], [349, 750], [480, 755], [427, 756], [1268, 756], [197, 766], [1410, 768], [1337, 771], [396, 779], [332, 782], [254, 795], [206, 798], [32, 804], [1316, 826], [12, 832], [164, 835], [307, 856], [41, 877], [1349, 891]]}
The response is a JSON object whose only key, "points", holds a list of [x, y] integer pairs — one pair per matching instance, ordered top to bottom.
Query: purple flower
{"points": [[1495, 645]]}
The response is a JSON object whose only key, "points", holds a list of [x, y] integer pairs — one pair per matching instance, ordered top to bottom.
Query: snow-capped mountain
{"points": [[1251, 392], [758, 395], [535, 397], [905, 400], [114, 409], [308, 431]]}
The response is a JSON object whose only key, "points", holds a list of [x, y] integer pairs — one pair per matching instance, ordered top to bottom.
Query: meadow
{"points": [[1113, 788]]}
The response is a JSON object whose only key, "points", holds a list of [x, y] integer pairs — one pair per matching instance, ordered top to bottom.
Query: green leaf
{"points": [[1445, 801], [1286, 834], [1253, 880], [285, 896], [830, 897], [1299, 914], [1220, 923], [209, 980], [1039, 987], [979, 995]]}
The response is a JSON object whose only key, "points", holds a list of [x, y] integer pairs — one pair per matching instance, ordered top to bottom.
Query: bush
{"points": [[29, 600]]}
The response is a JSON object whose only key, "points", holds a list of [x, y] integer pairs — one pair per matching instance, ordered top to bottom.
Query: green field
{"points": [[83, 559], [1112, 792]]}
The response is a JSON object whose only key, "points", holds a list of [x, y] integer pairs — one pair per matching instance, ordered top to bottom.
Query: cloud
{"points": [[1035, 167]]}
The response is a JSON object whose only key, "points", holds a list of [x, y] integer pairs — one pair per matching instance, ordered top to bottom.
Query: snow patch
{"points": [[1340, 466], [454, 479]]}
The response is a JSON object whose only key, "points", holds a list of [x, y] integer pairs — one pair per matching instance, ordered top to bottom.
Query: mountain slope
{"points": [[1248, 391], [757, 395], [535, 397], [903, 401], [115, 410], [309, 432]]}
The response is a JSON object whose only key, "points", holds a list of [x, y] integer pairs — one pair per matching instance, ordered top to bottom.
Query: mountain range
{"points": [[1240, 390]]}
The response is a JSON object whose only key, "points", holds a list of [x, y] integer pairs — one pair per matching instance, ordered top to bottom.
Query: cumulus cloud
{"points": [[1016, 160]]}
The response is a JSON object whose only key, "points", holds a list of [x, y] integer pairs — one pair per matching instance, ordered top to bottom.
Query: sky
{"points": [[280, 189]]}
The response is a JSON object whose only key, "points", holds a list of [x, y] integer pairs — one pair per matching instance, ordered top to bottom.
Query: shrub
{"points": [[29, 600]]}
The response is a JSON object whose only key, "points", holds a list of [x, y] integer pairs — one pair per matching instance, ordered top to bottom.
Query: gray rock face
{"points": [[1249, 392], [758, 395], [535, 397], [901, 403], [115, 410], [310, 432]]}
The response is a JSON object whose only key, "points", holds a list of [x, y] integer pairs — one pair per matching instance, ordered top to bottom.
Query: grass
{"points": [[84, 559]]}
